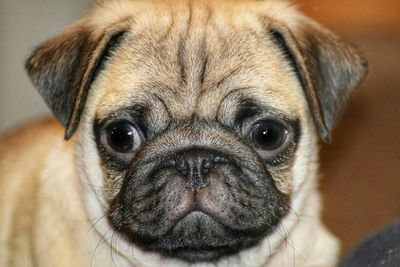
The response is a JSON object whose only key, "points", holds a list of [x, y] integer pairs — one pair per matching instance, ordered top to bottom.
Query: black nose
{"points": [[195, 165]]}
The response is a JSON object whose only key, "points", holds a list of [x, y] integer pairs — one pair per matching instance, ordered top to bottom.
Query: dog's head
{"points": [[198, 120]]}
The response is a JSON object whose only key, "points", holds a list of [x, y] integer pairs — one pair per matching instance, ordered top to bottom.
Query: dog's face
{"points": [[201, 122], [197, 148]]}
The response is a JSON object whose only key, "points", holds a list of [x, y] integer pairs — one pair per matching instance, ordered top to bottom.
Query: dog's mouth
{"points": [[197, 205], [199, 237]]}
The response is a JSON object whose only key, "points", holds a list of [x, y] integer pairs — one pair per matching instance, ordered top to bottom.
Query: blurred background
{"points": [[24, 24], [360, 169]]}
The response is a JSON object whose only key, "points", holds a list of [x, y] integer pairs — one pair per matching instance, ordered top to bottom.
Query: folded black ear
{"points": [[63, 68], [328, 69]]}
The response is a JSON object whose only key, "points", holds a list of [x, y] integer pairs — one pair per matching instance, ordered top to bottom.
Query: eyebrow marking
{"points": [[248, 108], [139, 115]]}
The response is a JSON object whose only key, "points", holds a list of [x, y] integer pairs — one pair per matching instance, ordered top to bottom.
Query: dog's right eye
{"points": [[122, 136]]}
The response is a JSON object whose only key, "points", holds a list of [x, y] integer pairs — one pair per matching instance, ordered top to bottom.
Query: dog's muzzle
{"points": [[197, 202]]}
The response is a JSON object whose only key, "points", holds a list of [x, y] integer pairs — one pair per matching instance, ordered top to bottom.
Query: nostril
{"points": [[170, 163], [208, 164], [182, 166]]}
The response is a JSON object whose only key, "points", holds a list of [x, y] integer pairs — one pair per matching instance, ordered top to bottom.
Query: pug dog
{"points": [[192, 133]]}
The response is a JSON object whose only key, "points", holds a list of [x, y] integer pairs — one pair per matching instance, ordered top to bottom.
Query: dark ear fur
{"points": [[63, 68], [328, 69]]}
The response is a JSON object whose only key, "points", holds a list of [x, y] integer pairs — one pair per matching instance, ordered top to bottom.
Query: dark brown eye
{"points": [[268, 135], [122, 136]]}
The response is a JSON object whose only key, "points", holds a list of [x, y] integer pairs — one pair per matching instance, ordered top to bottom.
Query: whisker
{"points": [[96, 222], [101, 241]]}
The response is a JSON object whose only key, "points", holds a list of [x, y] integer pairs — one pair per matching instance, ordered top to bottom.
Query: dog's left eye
{"points": [[269, 135], [122, 136]]}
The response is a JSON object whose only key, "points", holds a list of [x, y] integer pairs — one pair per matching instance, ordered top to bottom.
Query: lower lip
{"points": [[196, 214]]}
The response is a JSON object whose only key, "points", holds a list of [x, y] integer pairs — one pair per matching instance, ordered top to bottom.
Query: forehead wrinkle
{"points": [[217, 50], [183, 52], [192, 53], [194, 57], [223, 70], [265, 74]]}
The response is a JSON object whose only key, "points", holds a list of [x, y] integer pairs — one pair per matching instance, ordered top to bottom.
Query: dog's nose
{"points": [[195, 165]]}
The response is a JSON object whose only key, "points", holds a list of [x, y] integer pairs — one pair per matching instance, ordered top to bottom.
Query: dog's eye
{"points": [[268, 134], [122, 136]]}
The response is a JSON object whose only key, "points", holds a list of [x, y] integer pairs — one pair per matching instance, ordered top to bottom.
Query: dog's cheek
{"points": [[114, 174], [283, 177], [112, 183]]}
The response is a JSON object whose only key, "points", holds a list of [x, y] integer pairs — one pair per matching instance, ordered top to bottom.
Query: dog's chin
{"points": [[199, 238]]}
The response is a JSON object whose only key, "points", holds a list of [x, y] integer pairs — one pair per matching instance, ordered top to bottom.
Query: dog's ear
{"points": [[63, 68], [328, 68]]}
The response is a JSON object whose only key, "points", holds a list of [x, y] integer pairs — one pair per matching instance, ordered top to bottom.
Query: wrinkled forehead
{"points": [[198, 61]]}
